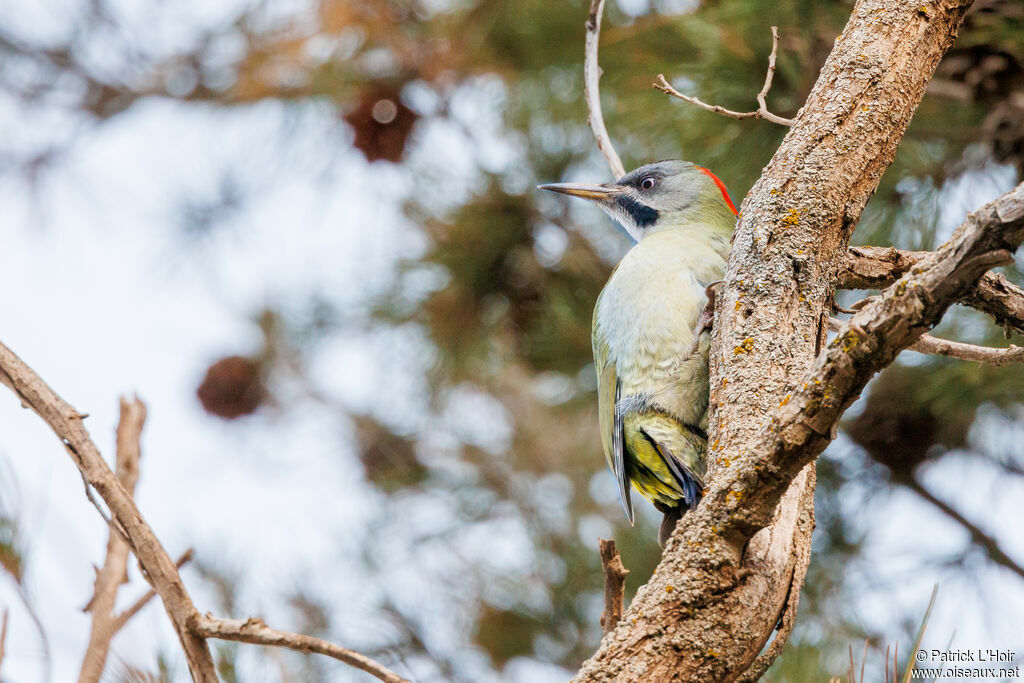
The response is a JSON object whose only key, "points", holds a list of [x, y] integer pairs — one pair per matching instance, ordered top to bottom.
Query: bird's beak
{"points": [[601, 193]]}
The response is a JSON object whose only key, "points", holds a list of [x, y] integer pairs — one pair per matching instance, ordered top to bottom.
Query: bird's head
{"points": [[658, 196]]}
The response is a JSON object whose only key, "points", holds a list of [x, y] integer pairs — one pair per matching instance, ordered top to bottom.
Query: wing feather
{"points": [[611, 418]]}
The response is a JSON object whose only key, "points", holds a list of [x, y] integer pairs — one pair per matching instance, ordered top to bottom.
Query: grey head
{"points": [[665, 194]]}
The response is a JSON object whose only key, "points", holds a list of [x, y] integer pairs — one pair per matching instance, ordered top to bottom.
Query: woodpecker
{"points": [[649, 338]]}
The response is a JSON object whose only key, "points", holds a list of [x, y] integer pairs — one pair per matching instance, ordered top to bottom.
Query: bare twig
{"points": [[592, 92], [762, 107], [935, 346], [970, 352], [67, 425], [112, 523], [983, 540], [115, 567], [615, 574], [124, 617], [192, 628], [254, 631], [3, 636]]}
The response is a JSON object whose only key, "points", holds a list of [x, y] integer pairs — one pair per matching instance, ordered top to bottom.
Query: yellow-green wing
{"points": [[609, 416]]}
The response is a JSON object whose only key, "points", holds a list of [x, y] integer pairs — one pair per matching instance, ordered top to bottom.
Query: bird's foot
{"points": [[707, 316]]}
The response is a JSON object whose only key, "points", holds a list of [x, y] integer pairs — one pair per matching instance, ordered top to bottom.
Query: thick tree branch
{"points": [[592, 91], [762, 107], [876, 267], [805, 420], [66, 423], [114, 571], [615, 574], [254, 631]]}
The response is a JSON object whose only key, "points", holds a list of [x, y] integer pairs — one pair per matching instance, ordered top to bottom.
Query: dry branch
{"points": [[592, 92], [762, 107], [876, 267], [935, 346], [66, 423], [983, 540], [114, 571], [615, 574], [125, 616], [191, 627], [254, 631], [3, 636]]}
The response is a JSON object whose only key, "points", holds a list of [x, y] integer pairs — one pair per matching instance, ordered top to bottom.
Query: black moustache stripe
{"points": [[642, 214]]}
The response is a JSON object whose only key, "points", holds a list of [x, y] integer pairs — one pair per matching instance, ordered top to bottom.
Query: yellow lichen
{"points": [[792, 218], [746, 346], [785, 400], [669, 588]]}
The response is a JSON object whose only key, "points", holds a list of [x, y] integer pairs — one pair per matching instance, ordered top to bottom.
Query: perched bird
{"points": [[652, 372]]}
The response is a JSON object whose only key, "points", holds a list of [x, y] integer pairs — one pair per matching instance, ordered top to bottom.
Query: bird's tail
{"points": [[669, 521]]}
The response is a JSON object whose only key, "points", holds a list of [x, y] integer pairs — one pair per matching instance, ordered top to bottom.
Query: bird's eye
{"points": [[647, 182]]}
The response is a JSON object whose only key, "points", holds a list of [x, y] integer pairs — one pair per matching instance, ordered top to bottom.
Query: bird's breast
{"points": [[648, 309]]}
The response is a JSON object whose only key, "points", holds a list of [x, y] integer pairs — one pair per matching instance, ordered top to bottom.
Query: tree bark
{"points": [[721, 586]]}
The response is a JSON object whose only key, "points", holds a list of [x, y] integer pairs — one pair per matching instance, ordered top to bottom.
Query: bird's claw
{"points": [[707, 316]]}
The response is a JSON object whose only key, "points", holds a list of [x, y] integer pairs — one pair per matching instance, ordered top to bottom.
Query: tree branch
{"points": [[592, 92], [762, 108], [876, 267], [935, 346], [805, 420], [66, 423], [989, 544], [115, 567], [615, 574], [125, 616], [191, 627], [254, 631], [3, 636]]}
